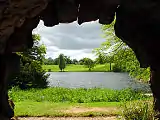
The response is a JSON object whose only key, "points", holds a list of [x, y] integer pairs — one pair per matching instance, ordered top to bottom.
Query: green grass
{"points": [[78, 68], [79, 95], [54, 102], [30, 108], [50, 109]]}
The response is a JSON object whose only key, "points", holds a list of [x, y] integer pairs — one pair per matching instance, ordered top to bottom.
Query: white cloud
{"points": [[71, 39]]}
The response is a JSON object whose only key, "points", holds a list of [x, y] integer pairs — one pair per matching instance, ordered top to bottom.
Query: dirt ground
{"points": [[97, 109], [76, 110], [67, 118]]}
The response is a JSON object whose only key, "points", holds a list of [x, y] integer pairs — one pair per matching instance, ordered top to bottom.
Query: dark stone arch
{"points": [[137, 24]]}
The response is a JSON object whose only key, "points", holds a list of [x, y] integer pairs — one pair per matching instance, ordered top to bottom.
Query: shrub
{"points": [[116, 68], [31, 73], [30, 76], [78, 95], [139, 110]]}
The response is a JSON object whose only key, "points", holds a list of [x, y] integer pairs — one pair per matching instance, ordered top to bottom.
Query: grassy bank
{"points": [[77, 68], [79, 95], [65, 102]]}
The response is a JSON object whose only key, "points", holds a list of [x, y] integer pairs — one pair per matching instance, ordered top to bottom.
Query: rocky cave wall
{"points": [[137, 24]]}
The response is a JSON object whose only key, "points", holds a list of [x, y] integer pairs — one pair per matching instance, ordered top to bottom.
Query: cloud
{"points": [[71, 39]]}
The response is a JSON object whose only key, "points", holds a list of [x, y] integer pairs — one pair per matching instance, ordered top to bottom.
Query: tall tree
{"points": [[62, 63]]}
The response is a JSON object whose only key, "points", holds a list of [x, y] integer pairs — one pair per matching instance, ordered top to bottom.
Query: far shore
{"points": [[78, 68]]}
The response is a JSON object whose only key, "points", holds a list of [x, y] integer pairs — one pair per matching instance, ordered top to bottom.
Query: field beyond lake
{"points": [[77, 68]]}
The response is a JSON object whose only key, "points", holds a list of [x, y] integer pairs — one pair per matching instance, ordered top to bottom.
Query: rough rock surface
{"points": [[137, 24]]}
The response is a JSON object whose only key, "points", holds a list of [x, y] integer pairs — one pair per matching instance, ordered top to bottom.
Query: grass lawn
{"points": [[78, 68], [67, 102], [39, 109], [96, 109]]}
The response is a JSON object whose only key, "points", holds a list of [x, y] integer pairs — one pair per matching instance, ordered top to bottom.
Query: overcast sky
{"points": [[76, 41]]}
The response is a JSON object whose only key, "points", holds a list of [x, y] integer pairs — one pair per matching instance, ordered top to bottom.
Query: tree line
{"points": [[68, 60], [62, 61]]}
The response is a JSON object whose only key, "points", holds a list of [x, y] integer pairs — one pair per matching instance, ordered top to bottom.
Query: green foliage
{"points": [[117, 52], [36, 53], [101, 59], [68, 60], [49, 61], [56, 61], [75, 61], [81, 61], [62, 62], [89, 63], [116, 68], [31, 73], [79, 95], [138, 110]]}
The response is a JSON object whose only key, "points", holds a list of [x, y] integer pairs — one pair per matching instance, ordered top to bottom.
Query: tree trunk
{"points": [[110, 67], [155, 87]]}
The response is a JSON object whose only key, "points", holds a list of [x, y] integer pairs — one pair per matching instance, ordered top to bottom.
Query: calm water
{"points": [[94, 79]]}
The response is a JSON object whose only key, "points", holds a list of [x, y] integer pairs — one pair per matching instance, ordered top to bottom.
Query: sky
{"points": [[76, 41]]}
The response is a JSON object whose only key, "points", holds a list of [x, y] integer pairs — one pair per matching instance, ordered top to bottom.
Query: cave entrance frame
{"points": [[136, 24]]}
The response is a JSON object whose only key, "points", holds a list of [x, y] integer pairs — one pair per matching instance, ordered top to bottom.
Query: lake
{"points": [[94, 79]]}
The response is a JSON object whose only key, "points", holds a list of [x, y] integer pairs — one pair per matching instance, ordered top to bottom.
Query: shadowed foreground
{"points": [[137, 24], [68, 118]]}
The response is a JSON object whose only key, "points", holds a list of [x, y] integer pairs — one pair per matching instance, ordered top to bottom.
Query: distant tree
{"points": [[68, 60], [46, 61], [49, 61], [56, 61], [74, 61], [81, 61], [62, 63], [89, 63]]}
